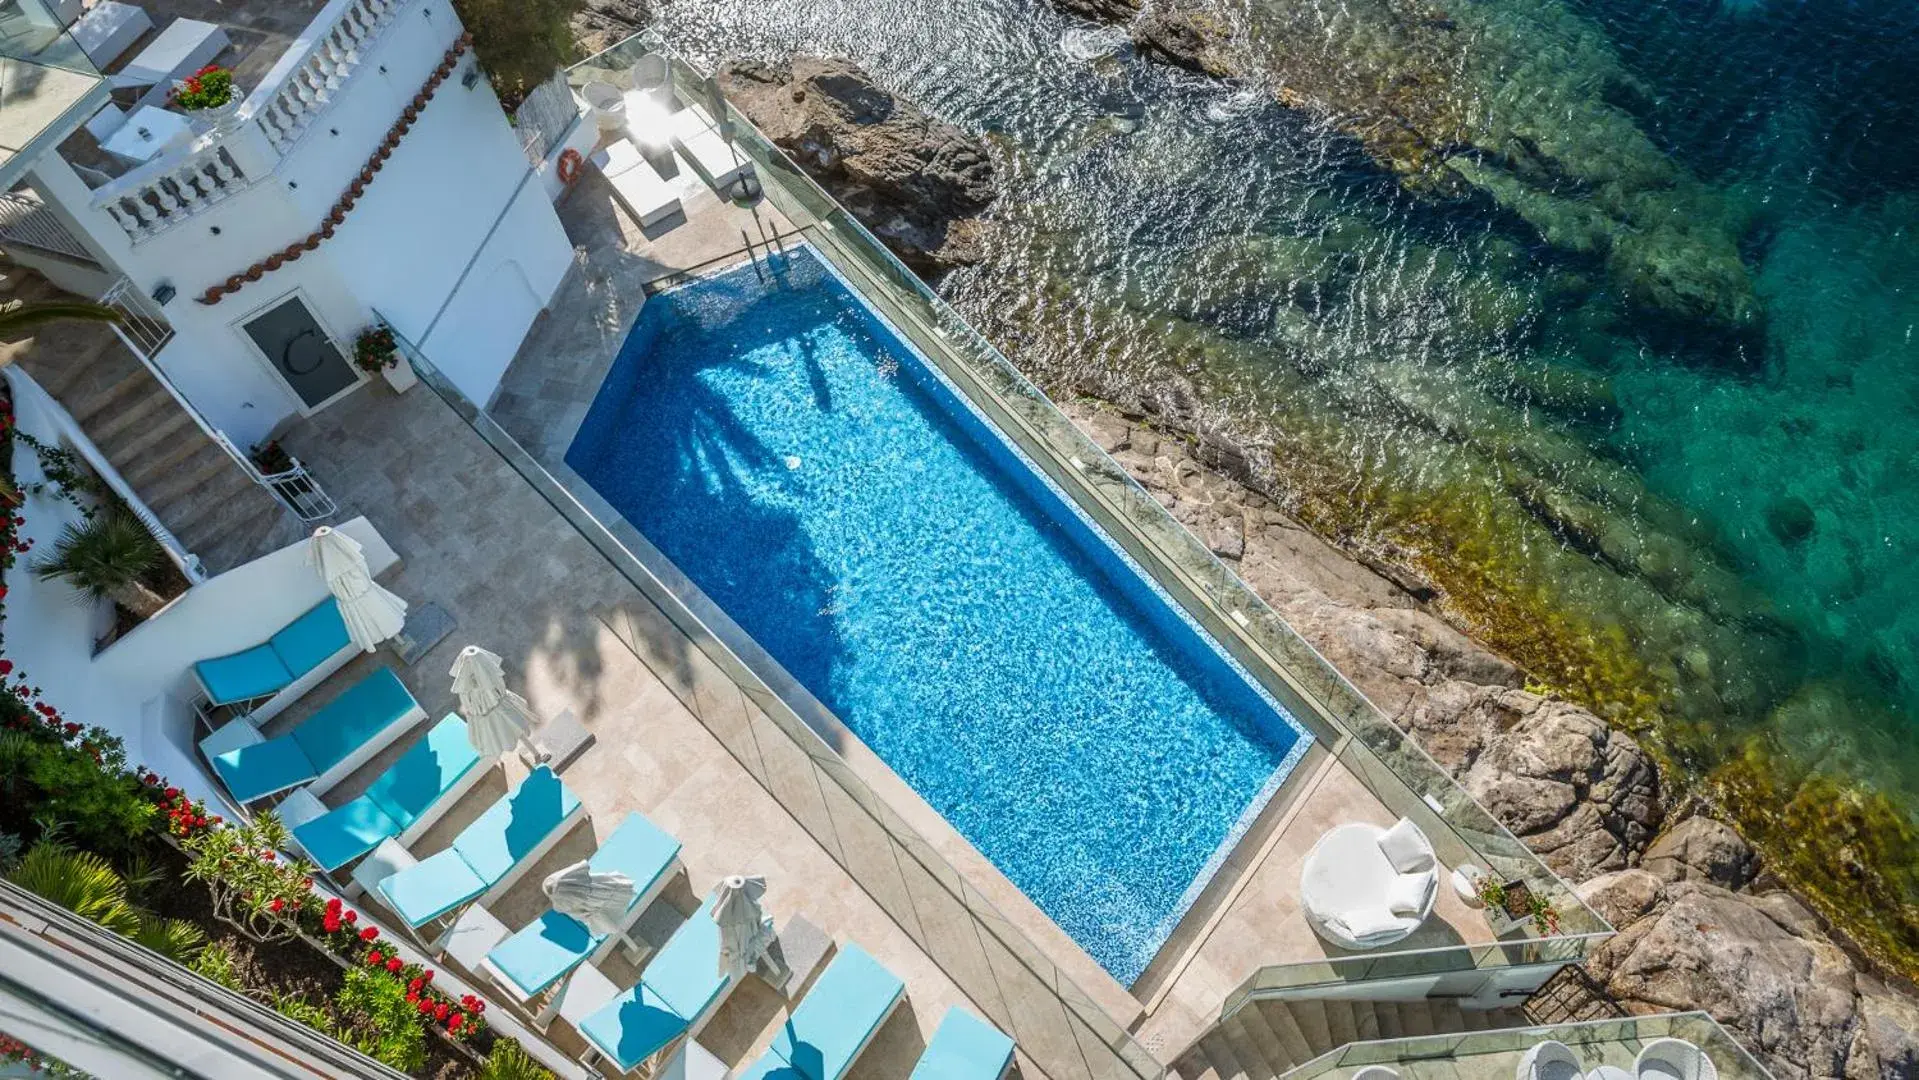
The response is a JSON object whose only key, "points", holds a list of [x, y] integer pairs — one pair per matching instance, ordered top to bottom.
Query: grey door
{"points": [[299, 350]]}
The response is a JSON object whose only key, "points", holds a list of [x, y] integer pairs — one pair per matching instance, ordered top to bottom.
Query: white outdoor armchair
{"points": [[1363, 886], [1673, 1059], [1549, 1060]]}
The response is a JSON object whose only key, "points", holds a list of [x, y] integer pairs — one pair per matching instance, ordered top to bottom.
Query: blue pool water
{"points": [[839, 502]]}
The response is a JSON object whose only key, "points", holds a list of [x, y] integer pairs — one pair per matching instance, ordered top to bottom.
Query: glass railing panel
{"points": [[1495, 1055]]}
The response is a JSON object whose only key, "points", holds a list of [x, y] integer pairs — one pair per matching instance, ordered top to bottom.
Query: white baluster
{"points": [[225, 170], [166, 196], [120, 217]]}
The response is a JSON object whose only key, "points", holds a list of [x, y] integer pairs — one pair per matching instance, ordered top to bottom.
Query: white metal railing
{"points": [[305, 82], [174, 187], [156, 197], [26, 220], [144, 329], [75, 437], [296, 488]]}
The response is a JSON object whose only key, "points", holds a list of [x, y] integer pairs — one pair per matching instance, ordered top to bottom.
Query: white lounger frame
{"points": [[276, 703]]}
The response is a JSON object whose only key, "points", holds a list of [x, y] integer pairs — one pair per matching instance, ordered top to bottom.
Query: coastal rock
{"points": [[1103, 10], [601, 24], [1186, 36], [919, 184], [1584, 796], [1703, 849], [1760, 965]]}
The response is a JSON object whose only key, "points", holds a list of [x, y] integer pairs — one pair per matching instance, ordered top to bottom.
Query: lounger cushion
{"points": [[312, 639], [256, 673], [352, 720], [433, 767], [254, 772], [395, 800], [513, 827], [345, 833], [639, 849], [1409, 893], [420, 894], [540, 955], [686, 972], [832, 1025], [633, 1027], [964, 1048]]}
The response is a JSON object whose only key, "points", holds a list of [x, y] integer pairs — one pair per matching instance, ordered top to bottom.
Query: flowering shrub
{"points": [[209, 88], [374, 349], [255, 890]]}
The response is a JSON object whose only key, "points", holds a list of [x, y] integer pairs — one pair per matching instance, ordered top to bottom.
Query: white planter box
{"points": [[400, 376]]}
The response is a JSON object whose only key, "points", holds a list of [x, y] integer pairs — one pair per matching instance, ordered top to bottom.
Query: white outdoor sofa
{"points": [[1363, 886]]}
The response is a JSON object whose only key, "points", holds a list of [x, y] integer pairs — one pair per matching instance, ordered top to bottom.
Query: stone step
{"points": [[125, 405], [167, 431], [148, 471], [192, 480], [259, 524], [1386, 1015], [1311, 1016], [1447, 1018], [1416, 1019], [1365, 1021], [1281, 1022], [1339, 1022], [1254, 1042], [1220, 1053]]}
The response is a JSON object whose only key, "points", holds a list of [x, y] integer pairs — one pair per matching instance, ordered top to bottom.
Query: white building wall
{"points": [[402, 249]]}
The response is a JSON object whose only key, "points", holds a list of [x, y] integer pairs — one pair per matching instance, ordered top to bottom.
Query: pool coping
{"points": [[872, 768]]}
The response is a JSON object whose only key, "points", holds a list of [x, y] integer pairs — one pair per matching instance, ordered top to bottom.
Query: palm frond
{"points": [[19, 317], [103, 556], [79, 881], [176, 939]]}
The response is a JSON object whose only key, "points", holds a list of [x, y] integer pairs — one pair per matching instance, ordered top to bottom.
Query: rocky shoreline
{"points": [[1701, 925]]}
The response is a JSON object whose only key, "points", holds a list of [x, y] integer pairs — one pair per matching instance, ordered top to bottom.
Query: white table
{"points": [[108, 29], [184, 47], [147, 133]]}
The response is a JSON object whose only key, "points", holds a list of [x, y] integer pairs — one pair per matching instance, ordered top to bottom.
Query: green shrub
{"points": [[520, 43], [93, 801], [88, 886], [220, 964], [380, 1021], [510, 1061]]}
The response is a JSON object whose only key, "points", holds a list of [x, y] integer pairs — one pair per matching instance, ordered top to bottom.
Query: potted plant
{"points": [[210, 97], [378, 353], [108, 558], [1511, 903]]}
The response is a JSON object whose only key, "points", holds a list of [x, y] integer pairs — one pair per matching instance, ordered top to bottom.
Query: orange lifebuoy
{"points": [[571, 165]]}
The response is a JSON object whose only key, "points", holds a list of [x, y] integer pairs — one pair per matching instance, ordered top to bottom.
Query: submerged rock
{"points": [[1184, 35], [918, 183]]}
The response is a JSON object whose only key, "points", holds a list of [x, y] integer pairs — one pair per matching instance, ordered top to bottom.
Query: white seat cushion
{"points": [[1405, 847], [1409, 893], [1371, 921]]}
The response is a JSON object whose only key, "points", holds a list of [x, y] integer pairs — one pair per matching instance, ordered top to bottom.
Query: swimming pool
{"points": [[821, 483]]}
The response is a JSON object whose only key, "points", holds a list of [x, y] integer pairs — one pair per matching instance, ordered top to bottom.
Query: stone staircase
{"points": [[189, 482], [1267, 1038]]}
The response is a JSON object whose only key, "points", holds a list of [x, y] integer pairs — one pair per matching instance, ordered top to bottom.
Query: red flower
{"points": [[6, 666], [171, 793], [277, 905], [333, 905], [352, 916], [331, 924], [369, 933], [373, 958], [393, 964], [426, 976], [414, 985], [413, 996], [425, 1007], [442, 1010], [453, 1022]]}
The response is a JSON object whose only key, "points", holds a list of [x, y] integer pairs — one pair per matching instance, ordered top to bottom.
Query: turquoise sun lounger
{"points": [[276, 672], [323, 750], [401, 804], [488, 856], [539, 956], [681, 989], [834, 1024], [965, 1048]]}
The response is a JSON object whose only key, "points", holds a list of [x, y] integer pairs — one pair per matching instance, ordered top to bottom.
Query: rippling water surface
{"points": [[1662, 514]]}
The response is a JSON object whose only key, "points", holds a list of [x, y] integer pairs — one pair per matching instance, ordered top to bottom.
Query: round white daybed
{"points": [[1364, 886]]}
